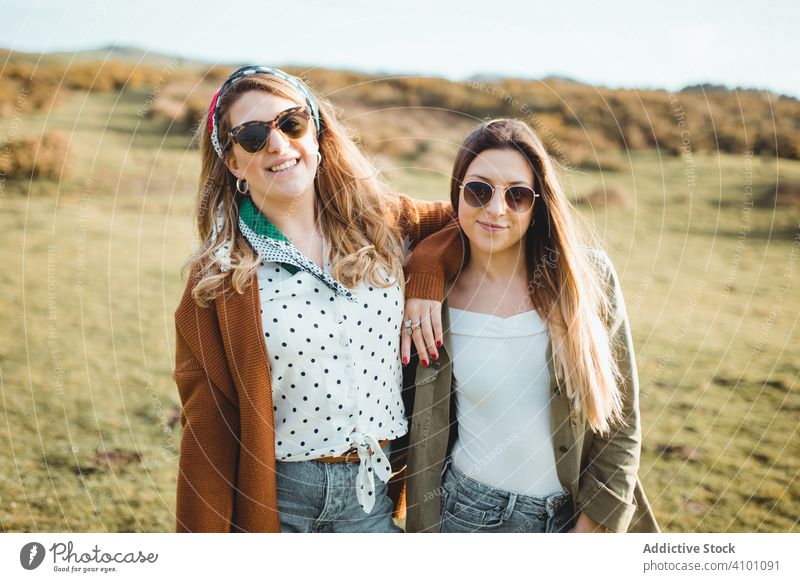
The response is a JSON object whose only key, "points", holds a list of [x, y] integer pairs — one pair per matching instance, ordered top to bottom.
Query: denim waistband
{"points": [[387, 450], [359, 476], [550, 503]]}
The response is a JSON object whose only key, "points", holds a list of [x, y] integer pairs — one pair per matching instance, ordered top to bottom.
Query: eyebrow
{"points": [[488, 181]]}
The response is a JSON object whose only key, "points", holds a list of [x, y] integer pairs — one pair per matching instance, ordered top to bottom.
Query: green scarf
{"points": [[262, 226]]}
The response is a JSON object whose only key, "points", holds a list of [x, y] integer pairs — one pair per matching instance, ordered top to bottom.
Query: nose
{"points": [[276, 142], [497, 205]]}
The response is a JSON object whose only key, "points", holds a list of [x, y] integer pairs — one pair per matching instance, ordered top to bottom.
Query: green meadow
{"points": [[89, 428]]}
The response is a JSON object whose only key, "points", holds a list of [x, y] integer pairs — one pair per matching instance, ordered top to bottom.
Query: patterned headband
{"points": [[213, 113]]}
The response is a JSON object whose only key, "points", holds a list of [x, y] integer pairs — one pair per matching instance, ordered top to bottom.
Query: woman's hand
{"points": [[428, 334], [586, 524]]}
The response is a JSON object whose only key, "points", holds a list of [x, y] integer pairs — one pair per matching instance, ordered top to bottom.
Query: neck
{"points": [[295, 219], [499, 267]]}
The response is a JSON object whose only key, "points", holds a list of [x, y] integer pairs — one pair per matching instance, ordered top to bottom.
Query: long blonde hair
{"points": [[354, 207], [566, 285]]}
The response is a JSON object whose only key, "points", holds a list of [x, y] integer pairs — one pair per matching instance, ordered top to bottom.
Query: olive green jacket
{"points": [[599, 472]]}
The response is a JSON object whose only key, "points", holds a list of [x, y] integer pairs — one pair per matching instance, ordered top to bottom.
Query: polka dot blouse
{"points": [[334, 361]]}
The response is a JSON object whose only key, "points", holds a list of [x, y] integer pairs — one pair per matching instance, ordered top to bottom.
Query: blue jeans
{"points": [[321, 497], [471, 506]]}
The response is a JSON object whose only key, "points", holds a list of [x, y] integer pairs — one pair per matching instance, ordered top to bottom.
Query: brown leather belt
{"points": [[350, 456]]}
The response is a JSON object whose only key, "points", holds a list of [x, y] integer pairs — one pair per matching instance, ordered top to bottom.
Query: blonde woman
{"points": [[287, 357], [526, 413]]}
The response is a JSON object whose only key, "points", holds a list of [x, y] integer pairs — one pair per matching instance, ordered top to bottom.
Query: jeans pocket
{"points": [[465, 512]]}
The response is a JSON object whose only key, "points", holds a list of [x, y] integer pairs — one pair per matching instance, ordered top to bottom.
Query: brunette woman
{"points": [[526, 413]]}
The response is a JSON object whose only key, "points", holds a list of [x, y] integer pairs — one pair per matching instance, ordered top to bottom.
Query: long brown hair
{"points": [[352, 205], [565, 283]]}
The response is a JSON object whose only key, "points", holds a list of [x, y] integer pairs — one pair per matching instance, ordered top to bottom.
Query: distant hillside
{"points": [[129, 54], [581, 124]]}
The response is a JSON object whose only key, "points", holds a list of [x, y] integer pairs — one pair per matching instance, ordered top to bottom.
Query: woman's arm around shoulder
{"points": [[419, 219], [436, 260]]}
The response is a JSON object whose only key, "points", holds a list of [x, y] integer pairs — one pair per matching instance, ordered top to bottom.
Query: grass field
{"points": [[92, 281]]}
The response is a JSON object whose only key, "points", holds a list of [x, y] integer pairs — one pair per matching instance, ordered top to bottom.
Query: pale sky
{"points": [[615, 43]]}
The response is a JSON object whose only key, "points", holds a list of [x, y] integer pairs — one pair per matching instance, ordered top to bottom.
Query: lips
{"points": [[284, 165], [491, 227]]}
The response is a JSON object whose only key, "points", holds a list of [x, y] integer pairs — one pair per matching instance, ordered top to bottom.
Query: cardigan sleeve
{"points": [[419, 218], [435, 261], [209, 448], [606, 488]]}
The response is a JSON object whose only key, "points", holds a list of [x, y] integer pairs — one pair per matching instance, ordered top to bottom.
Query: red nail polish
{"points": [[438, 344], [434, 356], [405, 360], [424, 363]]}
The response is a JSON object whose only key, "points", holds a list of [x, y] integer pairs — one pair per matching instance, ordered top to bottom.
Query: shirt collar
{"points": [[258, 223], [273, 246]]}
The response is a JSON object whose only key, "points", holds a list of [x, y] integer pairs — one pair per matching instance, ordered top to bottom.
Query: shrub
{"points": [[46, 157], [781, 194]]}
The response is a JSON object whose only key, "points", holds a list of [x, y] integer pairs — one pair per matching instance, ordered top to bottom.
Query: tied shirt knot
{"points": [[372, 461]]}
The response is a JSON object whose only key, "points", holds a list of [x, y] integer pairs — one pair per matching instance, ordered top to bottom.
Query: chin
{"points": [[288, 190], [487, 238], [485, 244], [489, 245]]}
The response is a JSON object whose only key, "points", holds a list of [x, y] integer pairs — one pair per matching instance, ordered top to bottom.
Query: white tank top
{"points": [[502, 385]]}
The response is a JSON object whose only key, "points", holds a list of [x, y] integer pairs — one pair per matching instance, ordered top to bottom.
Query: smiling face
{"points": [[284, 170], [496, 228]]}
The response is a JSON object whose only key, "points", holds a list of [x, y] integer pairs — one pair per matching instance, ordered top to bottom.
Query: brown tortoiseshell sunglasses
{"points": [[252, 136]]}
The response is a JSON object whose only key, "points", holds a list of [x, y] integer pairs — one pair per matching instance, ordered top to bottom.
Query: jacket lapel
{"points": [[200, 328], [242, 336], [226, 338], [246, 352], [429, 374]]}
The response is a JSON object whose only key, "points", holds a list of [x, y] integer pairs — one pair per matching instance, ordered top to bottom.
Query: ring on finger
{"points": [[410, 326]]}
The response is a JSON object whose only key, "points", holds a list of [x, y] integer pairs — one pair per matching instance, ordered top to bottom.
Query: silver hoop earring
{"points": [[319, 158], [239, 188]]}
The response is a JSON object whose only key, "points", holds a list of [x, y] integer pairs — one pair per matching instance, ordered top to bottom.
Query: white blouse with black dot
{"points": [[336, 375]]}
